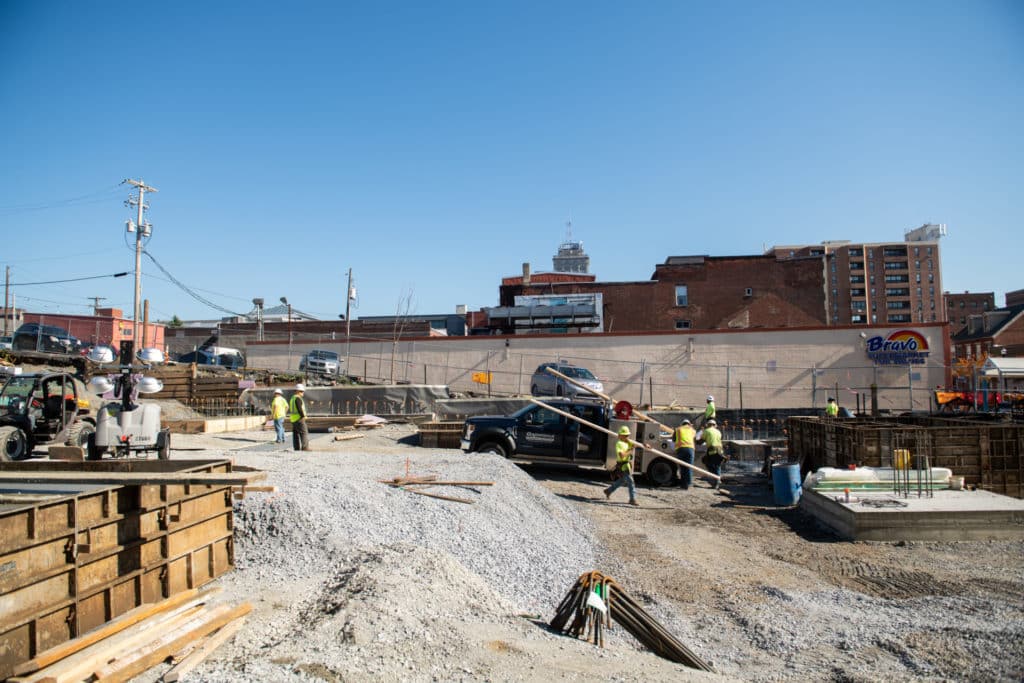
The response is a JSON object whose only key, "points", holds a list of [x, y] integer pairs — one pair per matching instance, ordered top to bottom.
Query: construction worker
{"points": [[832, 408], [278, 411], [709, 411], [297, 415], [684, 437], [716, 453], [623, 466]]}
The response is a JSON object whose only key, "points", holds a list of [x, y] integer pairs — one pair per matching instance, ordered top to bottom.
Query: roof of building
{"points": [[994, 322]]}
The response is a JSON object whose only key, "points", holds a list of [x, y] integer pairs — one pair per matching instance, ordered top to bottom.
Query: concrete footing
{"points": [[947, 516]]}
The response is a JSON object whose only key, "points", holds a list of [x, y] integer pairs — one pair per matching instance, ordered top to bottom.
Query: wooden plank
{"points": [[133, 478], [119, 624], [167, 645], [203, 650]]}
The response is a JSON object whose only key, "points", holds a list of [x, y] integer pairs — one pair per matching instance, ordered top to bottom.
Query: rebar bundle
{"points": [[595, 600]]}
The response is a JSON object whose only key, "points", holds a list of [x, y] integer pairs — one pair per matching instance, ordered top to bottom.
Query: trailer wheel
{"points": [[13, 444], [492, 447], [92, 451], [164, 451], [661, 472]]}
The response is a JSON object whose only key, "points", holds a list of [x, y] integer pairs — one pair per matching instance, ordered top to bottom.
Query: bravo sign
{"points": [[904, 347]]}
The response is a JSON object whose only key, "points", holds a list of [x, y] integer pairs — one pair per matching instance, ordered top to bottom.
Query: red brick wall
{"points": [[786, 293]]}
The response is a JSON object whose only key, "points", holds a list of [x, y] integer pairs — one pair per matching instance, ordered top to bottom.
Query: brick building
{"points": [[880, 283], [697, 292], [959, 306], [993, 333]]}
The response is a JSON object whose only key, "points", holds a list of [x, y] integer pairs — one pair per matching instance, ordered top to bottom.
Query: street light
{"points": [[284, 300], [258, 303]]}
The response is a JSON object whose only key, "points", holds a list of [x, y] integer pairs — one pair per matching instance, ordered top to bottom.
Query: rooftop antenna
{"points": [[568, 229]]}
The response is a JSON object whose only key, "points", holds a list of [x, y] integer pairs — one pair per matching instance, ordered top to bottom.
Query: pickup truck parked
{"points": [[534, 434]]}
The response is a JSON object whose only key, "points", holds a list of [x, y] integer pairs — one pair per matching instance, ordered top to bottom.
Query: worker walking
{"points": [[832, 408], [278, 411], [709, 411], [297, 415], [684, 438], [716, 453], [623, 466]]}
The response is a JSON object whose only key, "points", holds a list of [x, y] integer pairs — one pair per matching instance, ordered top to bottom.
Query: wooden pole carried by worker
{"points": [[638, 413], [632, 441]]}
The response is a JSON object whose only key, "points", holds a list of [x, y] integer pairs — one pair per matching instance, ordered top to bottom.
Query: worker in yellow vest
{"points": [[832, 408], [278, 411], [709, 411], [297, 415], [684, 437], [715, 456], [623, 466]]}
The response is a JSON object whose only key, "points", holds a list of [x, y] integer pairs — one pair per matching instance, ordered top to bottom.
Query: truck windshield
{"points": [[16, 387]]}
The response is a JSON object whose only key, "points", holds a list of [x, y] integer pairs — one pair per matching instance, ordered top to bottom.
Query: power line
{"points": [[98, 196], [74, 279], [183, 287]]}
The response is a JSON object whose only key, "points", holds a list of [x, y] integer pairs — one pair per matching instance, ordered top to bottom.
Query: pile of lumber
{"points": [[415, 484], [595, 600], [185, 628]]}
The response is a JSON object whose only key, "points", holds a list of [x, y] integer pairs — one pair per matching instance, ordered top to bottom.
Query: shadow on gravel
{"points": [[410, 440], [751, 493]]}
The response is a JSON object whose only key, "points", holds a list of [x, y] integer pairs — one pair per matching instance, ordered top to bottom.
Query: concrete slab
{"points": [[947, 516]]}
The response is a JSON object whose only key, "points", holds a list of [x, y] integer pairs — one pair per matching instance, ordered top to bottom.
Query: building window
{"points": [[856, 251], [894, 251], [917, 251], [929, 251], [871, 254], [929, 264], [856, 265], [896, 265], [917, 265], [833, 266], [917, 277], [833, 278], [897, 278], [931, 278], [856, 279], [749, 291], [898, 291], [918, 291], [835, 292], [855, 292], [681, 296], [961, 303], [897, 304], [858, 305], [932, 305], [986, 306], [933, 317], [858, 318], [874, 318], [900, 318], [682, 324]]}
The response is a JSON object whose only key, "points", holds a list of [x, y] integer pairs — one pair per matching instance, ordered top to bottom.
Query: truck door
{"points": [[543, 434], [587, 442]]}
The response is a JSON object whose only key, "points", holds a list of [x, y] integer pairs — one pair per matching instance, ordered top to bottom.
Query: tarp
{"points": [[399, 399]]}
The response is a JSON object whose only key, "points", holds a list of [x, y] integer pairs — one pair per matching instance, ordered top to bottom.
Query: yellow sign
{"points": [[482, 377]]}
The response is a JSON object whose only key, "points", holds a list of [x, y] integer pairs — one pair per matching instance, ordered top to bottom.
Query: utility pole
{"points": [[141, 229], [349, 295], [6, 299], [96, 304]]}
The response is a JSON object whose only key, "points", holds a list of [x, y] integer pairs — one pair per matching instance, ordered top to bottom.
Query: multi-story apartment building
{"points": [[880, 283], [960, 306]]}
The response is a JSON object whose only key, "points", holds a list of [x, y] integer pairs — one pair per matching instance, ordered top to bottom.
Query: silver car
{"points": [[545, 384]]}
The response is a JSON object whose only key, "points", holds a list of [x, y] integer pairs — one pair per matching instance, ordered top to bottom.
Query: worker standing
{"points": [[832, 408], [278, 411], [709, 411], [297, 415], [684, 437], [716, 453], [623, 466]]}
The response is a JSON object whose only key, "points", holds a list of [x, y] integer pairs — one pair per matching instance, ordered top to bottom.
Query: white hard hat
{"points": [[300, 387], [278, 391], [710, 397], [712, 423]]}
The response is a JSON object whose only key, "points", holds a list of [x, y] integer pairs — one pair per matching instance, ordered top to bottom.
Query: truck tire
{"points": [[79, 433], [13, 444], [492, 447], [92, 451], [661, 472]]}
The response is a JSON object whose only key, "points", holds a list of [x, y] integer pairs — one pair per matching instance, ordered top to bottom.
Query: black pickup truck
{"points": [[536, 434]]}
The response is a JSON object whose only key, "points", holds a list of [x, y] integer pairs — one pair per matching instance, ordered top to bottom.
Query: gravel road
{"points": [[355, 580]]}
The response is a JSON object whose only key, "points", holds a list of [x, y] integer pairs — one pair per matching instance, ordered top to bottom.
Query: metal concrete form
{"points": [[987, 454], [947, 516], [74, 556]]}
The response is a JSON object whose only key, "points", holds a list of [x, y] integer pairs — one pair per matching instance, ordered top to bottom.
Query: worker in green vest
{"points": [[832, 408], [709, 411], [297, 415], [684, 437], [715, 456], [623, 466]]}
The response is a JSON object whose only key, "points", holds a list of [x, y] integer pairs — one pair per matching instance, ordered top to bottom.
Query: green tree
{"points": [[175, 322]]}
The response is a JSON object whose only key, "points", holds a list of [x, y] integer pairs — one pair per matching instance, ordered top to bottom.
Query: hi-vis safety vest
{"points": [[278, 407], [832, 409], [709, 410], [294, 412], [684, 436], [713, 438], [624, 455]]}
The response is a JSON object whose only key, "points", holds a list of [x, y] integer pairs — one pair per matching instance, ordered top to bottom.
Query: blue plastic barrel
{"points": [[786, 482]]}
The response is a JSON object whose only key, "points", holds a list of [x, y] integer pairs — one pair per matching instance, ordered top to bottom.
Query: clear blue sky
{"points": [[435, 147]]}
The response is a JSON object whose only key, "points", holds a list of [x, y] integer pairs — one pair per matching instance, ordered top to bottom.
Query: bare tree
{"points": [[401, 320]]}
